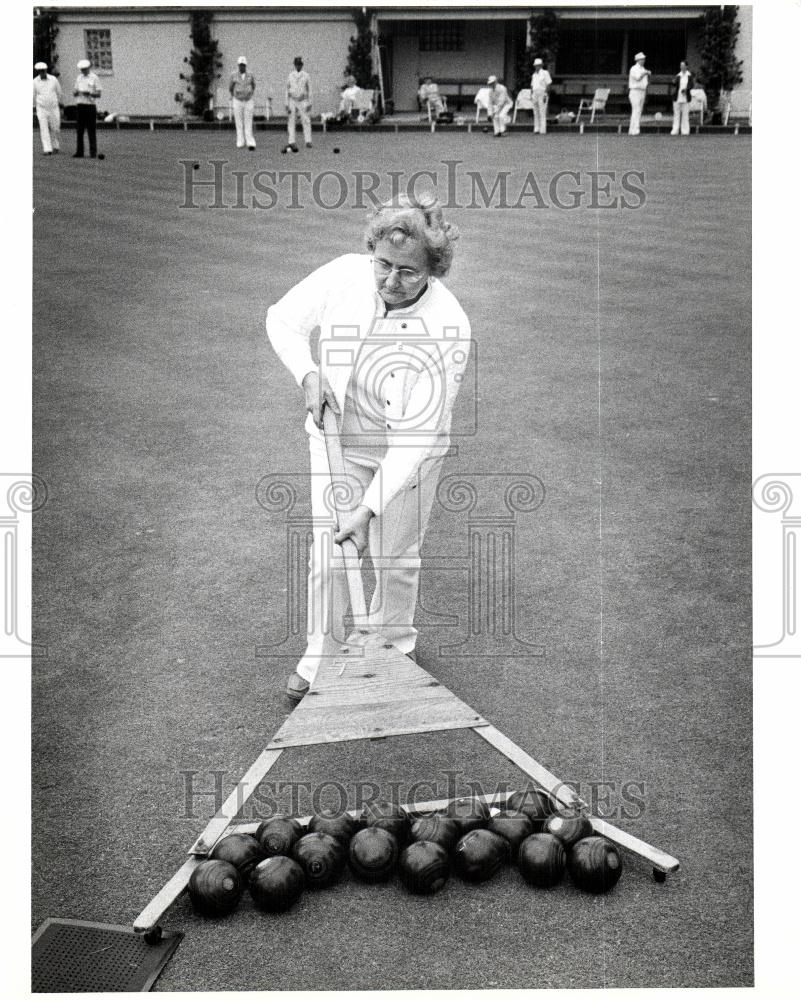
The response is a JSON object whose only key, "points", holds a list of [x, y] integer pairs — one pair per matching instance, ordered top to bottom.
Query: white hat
{"points": [[640, 55], [241, 61], [538, 62], [84, 64], [40, 65], [492, 79]]}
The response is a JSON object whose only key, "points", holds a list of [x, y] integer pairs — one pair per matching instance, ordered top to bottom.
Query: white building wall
{"points": [[271, 45], [148, 50], [147, 55], [741, 95]]}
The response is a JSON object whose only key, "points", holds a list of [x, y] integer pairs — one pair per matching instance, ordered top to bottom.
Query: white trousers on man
{"points": [[637, 100], [540, 102], [298, 109], [681, 118], [243, 119], [500, 119], [49, 127], [395, 538]]}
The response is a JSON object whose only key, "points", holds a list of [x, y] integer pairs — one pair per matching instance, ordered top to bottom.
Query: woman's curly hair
{"points": [[419, 219]]}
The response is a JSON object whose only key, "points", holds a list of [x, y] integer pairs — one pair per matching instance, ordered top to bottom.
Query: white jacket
{"points": [[419, 355]]}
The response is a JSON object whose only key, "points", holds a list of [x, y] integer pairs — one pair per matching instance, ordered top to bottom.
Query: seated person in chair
{"points": [[350, 92], [429, 96]]}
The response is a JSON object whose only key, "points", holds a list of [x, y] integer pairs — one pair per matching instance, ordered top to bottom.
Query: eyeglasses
{"points": [[408, 275]]}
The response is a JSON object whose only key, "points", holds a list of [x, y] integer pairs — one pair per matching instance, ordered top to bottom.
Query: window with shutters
{"points": [[97, 43]]}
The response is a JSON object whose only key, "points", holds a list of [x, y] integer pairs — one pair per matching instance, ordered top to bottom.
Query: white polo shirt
{"points": [[638, 77], [540, 82], [298, 85], [88, 87], [47, 92], [410, 361]]}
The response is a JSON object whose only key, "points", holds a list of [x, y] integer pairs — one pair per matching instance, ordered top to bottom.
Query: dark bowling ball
{"points": [[336, 149], [101, 156], [535, 803], [470, 813], [387, 816], [340, 825], [514, 827], [569, 829], [442, 830], [278, 835], [243, 851], [373, 854], [479, 855], [322, 858], [541, 860], [595, 865], [424, 868], [276, 884], [215, 888]]}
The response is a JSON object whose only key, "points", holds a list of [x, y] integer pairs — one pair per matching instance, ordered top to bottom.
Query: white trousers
{"points": [[637, 100], [540, 102], [298, 109], [681, 117], [243, 119], [501, 119], [49, 127], [395, 538]]}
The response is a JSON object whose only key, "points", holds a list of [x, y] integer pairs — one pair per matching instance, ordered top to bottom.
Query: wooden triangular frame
{"points": [[371, 690], [347, 705]]}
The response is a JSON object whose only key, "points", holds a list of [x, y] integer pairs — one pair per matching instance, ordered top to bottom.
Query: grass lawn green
{"points": [[612, 362]]}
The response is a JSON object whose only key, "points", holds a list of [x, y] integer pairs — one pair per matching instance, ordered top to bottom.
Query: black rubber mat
{"points": [[75, 956]]}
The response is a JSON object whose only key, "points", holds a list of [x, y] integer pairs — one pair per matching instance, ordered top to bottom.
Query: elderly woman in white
{"points": [[393, 346]]}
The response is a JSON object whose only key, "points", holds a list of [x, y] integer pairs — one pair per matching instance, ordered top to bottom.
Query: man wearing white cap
{"points": [[639, 78], [540, 82], [242, 88], [681, 88], [86, 93], [47, 99], [298, 103], [500, 103]]}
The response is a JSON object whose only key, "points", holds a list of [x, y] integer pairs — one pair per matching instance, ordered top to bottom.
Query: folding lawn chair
{"points": [[523, 101], [596, 104]]}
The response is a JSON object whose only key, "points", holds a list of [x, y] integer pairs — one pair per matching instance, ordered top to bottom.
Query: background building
{"points": [[139, 52]]}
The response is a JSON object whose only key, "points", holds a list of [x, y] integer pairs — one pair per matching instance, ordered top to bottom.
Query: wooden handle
{"points": [[336, 468]]}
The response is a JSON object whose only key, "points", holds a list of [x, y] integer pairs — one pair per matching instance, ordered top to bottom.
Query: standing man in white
{"points": [[639, 78], [540, 83], [681, 87], [242, 88], [47, 99], [298, 103]]}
